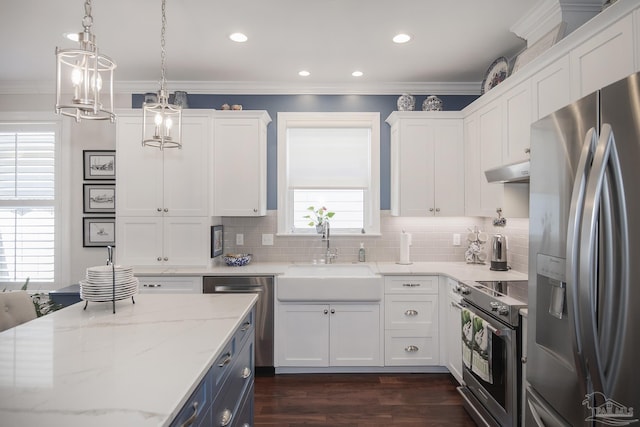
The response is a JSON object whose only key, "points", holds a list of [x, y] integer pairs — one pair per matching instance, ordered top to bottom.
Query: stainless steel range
{"points": [[492, 394]]}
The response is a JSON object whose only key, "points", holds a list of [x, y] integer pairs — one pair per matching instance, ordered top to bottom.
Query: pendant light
{"points": [[81, 74], [162, 122]]}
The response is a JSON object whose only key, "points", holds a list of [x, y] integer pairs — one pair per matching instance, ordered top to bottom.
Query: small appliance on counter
{"points": [[499, 253]]}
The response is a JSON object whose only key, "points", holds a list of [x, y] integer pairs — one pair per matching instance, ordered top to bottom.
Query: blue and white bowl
{"points": [[237, 260]]}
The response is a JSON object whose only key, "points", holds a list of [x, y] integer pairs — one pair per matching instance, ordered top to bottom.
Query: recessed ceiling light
{"points": [[238, 37], [401, 38], [304, 73], [357, 74]]}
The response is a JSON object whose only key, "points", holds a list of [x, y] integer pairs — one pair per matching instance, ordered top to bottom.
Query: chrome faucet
{"points": [[326, 231]]}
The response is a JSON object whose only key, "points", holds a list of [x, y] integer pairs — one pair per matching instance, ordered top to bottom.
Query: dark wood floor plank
{"points": [[359, 400]]}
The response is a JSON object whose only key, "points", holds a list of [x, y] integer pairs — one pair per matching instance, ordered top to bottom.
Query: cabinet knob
{"points": [[159, 209], [166, 209], [430, 209], [437, 209], [255, 210], [166, 258], [159, 259], [326, 311], [333, 311], [411, 349], [524, 359], [246, 373], [225, 418]]}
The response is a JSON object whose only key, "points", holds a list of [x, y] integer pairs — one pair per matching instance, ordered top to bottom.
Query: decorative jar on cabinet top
{"points": [[406, 102], [432, 103]]}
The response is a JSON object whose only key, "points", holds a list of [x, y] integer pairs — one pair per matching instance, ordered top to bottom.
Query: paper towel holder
{"points": [[404, 251]]}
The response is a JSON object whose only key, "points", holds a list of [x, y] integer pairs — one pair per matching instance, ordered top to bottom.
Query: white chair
{"points": [[15, 308]]}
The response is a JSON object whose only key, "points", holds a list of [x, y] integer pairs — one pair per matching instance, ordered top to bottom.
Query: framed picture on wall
{"points": [[99, 164], [99, 198], [99, 232], [216, 240]]}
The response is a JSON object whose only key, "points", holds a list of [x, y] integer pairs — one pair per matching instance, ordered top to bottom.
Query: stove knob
{"points": [[464, 290], [494, 305], [503, 310]]}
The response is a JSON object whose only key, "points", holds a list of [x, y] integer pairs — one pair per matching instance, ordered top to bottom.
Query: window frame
{"points": [[370, 120], [62, 194]]}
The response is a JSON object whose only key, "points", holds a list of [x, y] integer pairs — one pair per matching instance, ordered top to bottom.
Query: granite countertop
{"points": [[455, 270], [136, 367]]}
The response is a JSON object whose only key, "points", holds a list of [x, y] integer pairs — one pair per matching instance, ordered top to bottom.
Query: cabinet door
{"points": [[603, 59], [551, 88], [517, 120], [490, 156], [240, 165], [415, 168], [138, 171], [472, 171], [186, 172], [448, 175], [139, 241], [186, 241], [170, 284], [303, 335], [355, 335], [454, 342]]}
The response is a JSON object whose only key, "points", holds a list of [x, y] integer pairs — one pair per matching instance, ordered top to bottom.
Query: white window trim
{"points": [[288, 120], [62, 192]]}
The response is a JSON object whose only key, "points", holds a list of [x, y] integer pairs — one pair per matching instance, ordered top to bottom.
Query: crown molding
{"points": [[263, 88]]}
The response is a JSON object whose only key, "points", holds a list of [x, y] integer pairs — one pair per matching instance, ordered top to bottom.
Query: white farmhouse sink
{"points": [[329, 282]]}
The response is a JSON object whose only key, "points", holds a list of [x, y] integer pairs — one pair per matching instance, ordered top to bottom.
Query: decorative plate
{"points": [[497, 72]]}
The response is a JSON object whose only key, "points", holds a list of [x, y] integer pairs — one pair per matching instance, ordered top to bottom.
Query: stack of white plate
{"points": [[99, 285]]}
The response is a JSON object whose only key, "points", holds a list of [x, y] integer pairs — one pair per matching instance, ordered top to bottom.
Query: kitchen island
{"points": [[137, 367]]}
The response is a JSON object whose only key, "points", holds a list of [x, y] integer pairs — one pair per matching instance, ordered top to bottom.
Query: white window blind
{"points": [[27, 196]]}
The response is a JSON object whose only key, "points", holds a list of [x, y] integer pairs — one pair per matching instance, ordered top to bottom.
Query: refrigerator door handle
{"points": [[605, 160], [573, 235]]}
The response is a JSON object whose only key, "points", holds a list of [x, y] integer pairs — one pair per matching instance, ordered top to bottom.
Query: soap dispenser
{"points": [[361, 254]]}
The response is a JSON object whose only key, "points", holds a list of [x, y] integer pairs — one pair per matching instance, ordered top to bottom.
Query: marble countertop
{"points": [[455, 270], [136, 367]]}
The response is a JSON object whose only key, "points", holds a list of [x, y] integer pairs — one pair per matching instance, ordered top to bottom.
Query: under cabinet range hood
{"points": [[513, 172]]}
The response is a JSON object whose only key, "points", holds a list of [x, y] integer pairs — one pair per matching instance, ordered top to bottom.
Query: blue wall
{"points": [[385, 104]]}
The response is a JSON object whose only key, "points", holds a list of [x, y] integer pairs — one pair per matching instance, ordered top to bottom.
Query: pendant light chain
{"points": [[87, 21], [163, 54]]}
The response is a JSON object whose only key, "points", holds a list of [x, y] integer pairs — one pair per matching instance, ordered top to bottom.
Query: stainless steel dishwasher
{"points": [[263, 286]]}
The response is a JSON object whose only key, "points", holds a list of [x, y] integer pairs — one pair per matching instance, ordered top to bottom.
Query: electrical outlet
{"points": [[239, 239], [456, 239], [267, 240]]}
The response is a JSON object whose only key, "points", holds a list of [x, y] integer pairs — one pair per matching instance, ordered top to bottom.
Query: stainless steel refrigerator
{"points": [[583, 361]]}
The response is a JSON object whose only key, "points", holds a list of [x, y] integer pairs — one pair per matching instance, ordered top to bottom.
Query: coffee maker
{"points": [[499, 252]]}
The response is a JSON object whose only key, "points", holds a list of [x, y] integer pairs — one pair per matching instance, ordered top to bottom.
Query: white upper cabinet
{"points": [[604, 58], [551, 88], [517, 119], [490, 131], [240, 163], [427, 164], [171, 182]]}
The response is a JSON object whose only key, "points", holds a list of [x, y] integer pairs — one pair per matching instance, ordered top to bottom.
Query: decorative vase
{"points": [[406, 102], [432, 103], [319, 228]]}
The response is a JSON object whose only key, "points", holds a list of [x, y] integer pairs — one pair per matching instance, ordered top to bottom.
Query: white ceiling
{"points": [[454, 41]]}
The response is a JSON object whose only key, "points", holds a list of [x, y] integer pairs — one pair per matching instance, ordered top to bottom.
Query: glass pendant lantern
{"points": [[81, 75], [162, 122]]}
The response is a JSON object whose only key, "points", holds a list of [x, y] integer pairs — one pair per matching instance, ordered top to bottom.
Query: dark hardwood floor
{"points": [[359, 400]]}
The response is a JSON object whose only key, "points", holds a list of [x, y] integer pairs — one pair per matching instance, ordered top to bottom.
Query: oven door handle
{"points": [[506, 332]]}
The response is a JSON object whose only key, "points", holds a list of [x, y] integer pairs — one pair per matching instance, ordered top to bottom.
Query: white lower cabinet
{"points": [[170, 284], [411, 321], [452, 329], [323, 335]]}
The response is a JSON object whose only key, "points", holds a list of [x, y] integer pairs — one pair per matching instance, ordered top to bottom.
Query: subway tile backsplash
{"points": [[432, 240]]}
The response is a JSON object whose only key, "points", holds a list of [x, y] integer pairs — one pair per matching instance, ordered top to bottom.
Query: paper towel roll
{"points": [[405, 243]]}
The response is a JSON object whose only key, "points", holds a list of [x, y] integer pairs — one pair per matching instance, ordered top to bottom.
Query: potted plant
{"points": [[318, 216]]}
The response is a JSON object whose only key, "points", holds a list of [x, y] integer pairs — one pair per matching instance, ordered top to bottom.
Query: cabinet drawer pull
{"points": [[152, 285], [410, 285], [411, 313], [245, 326], [411, 349], [227, 359], [246, 373], [225, 419], [189, 421]]}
